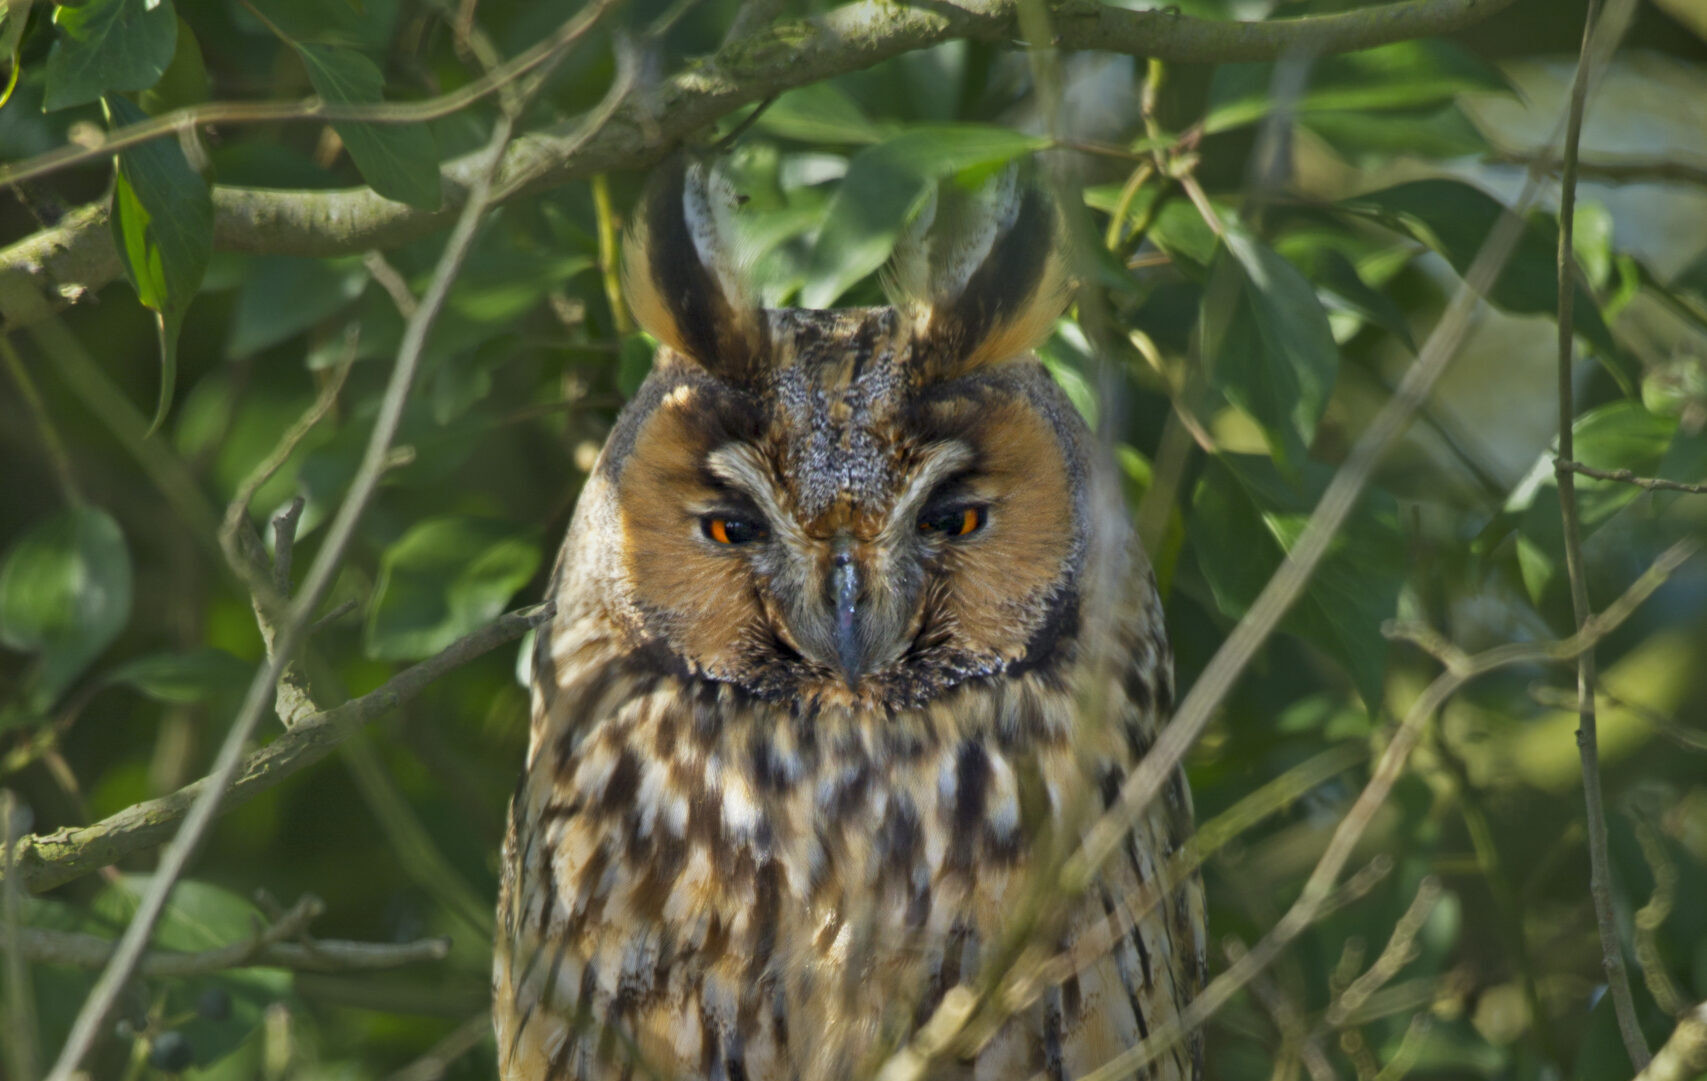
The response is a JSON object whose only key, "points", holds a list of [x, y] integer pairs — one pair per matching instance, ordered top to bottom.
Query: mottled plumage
{"points": [[849, 630]]}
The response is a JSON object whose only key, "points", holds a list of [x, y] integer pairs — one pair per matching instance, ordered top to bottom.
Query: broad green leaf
{"points": [[14, 17], [106, 46], [1403, 75], [184, 81], [821, 115], [1437, 132], [399, 161], [885, 186], [1455, 219], [162, 224], [1342, 287], [282, 296], [1267, 344], [634, 362], [1619, 435], [1246, 516], [441, 580], [65, 593], [200, 675]]}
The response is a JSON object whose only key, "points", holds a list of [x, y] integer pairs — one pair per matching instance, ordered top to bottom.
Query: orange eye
{"points": [[953, 522], [726, 530]]}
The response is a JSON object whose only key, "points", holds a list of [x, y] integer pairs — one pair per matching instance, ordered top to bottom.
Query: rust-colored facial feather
{"points": [[837, 458]]}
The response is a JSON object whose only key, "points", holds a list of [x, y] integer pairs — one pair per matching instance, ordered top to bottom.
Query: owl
{"points": [[850, 636]]}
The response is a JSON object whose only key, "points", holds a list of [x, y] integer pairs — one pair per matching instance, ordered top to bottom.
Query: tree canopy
{"points": [[1393, 315]]}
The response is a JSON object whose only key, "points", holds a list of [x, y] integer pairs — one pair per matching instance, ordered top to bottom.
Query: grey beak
{"points": [[844, 594]]}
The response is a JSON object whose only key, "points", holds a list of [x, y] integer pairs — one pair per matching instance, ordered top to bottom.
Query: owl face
{"points": [[862, 506]]}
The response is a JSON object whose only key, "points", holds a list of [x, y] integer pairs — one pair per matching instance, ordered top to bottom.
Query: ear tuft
{"points": [[680, 274], [982, 275]]}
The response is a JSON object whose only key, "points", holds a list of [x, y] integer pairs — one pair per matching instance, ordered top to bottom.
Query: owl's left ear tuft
{"points": [[982, 274], [681, 275]]}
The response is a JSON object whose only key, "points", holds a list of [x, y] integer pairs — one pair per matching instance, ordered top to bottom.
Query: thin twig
{"points": [[1631, 170], [391, 281], [55, 447], [1625, 476], [1684, 737], [176, 857], [1600, 873], [1319, 888], [1652, 916], [265, 951], [17, 1012], [1297, 1043], [443, 1055]]}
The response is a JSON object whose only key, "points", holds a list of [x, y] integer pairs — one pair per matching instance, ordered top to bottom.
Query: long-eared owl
{"points": [[851, 635]]}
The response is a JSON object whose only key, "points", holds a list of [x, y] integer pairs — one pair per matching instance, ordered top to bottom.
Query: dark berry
{"points": [[214, 1004], [171, 1052]]}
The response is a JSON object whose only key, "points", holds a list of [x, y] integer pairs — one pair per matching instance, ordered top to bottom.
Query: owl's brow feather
{"points": [[938, 462], [743, 468]]}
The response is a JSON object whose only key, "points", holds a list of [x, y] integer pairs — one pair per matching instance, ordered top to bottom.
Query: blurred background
{"points": [[1230, 375]]}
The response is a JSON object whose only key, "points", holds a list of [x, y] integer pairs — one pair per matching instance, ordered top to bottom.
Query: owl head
{"points": [[861, 506]]}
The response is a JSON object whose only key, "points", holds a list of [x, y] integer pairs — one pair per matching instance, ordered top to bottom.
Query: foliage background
{"points": [[1347, 217]]}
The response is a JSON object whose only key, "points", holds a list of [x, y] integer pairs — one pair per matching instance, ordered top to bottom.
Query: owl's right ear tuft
{"points": [[981, 273], [680, 274]]}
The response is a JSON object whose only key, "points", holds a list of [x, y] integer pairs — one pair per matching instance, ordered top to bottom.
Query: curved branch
{"points": [[44, 272], [47, 860]]}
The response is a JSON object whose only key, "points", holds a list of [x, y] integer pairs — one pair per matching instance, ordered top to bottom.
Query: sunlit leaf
{"points": [[105, 46], [883, 189], [162, 224], [1267, 344], [441, 580], [65, 594]]}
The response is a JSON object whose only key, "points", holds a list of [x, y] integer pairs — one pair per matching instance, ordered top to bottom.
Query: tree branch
{"points": [[55, 267], [44, 861], [1600, 870], [269, 948], [1685, 1054]]}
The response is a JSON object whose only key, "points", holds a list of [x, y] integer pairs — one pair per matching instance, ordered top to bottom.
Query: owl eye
{"points": [[953, 521], [725, 529]]}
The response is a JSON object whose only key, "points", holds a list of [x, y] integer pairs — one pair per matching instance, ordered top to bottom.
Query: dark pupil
{"points": [[951, 521], [733, 530]]}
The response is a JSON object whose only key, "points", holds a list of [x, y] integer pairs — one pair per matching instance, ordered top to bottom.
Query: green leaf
{"points": [[106, 46], [1403, 75], [184, 81], [821, 114], [1435, 132], [399, 161], [885, 186], [1455, 219], [162, 224], [1342, 287], [283, 296], [1267, 343], [634, 362], [1619, 435], [1246, 517], [445, 578], [65, 592], [200, 675], [201, 916]]}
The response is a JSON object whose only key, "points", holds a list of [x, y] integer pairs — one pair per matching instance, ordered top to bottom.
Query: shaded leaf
{"points": [[105, 46], [1403, 75], [184, 82], [823, 115], [1441, 132], [399, 161], [885, 186], [1455, 219], [283, 296], [1267, 344], [1246, 517], [442, 579], [65, 593], [183, 678]]}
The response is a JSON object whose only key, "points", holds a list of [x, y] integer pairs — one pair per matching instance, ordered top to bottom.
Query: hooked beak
{"points": [[844, 595]]}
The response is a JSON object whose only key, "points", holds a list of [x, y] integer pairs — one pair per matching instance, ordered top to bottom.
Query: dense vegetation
{"points": [[1271, 234]]}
